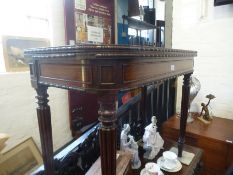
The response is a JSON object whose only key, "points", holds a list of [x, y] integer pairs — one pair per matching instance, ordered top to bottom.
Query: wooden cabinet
{"points": [[215, 139]]}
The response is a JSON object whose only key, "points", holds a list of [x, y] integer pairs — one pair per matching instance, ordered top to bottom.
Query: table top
{"points": [[100, 51], [106, 67], [124, 159]]}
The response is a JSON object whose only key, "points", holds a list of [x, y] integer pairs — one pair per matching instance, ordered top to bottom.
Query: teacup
{"points": [[170, 160], [152, 168]]}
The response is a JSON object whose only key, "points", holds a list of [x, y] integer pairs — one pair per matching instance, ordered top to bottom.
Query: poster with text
{"points": [[93, 19]]}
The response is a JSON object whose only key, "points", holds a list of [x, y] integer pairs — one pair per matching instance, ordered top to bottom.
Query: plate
{"points": [[176, 169], [143, 172]]}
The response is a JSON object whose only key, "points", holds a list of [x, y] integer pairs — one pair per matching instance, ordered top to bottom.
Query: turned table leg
{"points": [[184, 112], [44, 122], [107, 134]]}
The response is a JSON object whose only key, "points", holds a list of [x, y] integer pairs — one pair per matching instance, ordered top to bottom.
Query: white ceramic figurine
{"points": [[153, 142], [130, 146]]}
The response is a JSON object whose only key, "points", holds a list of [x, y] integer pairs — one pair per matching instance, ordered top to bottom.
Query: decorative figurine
{"points": [[205, 117], [124, 137], [153, 142], [130, 146]]}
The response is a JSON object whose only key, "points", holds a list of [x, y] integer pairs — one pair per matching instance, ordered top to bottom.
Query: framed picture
{"points": [[13, 47], [22, 159]]}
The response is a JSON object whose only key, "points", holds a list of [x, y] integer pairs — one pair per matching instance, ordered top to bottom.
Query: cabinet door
{"points": [[170, 133], [173, 134], [215, 155], [230, 156]]}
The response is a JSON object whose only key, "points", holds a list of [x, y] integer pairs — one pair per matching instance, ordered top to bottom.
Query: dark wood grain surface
{"points": [[106, 67]]}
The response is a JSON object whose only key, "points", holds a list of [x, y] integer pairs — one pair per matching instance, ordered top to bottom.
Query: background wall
{"points": [[122, 9], [198, 25], [17, 98]]}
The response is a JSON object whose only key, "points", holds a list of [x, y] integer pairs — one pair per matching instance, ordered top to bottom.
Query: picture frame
{"points": [[13, 51], [24, 158]]}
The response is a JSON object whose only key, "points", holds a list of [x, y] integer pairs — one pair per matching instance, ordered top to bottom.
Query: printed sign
{"points": [[80, 4], [97, 16], [95, 34]]}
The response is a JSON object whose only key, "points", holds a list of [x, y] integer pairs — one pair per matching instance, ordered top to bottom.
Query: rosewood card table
{"points": [[104, 70]]}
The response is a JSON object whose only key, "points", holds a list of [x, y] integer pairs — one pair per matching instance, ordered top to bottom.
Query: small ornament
{"points": [[205, 115], [153, 142], [130, 146]]}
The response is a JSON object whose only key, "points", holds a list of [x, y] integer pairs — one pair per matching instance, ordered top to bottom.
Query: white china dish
{"points": [[170, 159], [161, 161], [144, 172]]}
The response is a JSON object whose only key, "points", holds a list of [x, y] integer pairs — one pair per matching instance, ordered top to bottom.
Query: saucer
{"points": [[176, 169], [143, 172]]}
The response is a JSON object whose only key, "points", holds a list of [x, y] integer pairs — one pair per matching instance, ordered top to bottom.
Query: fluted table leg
{"points": [[184, 112], [44, 122], [107, 134]]}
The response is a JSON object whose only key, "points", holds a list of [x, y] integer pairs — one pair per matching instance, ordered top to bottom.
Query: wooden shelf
{"points": [[137, 24]]}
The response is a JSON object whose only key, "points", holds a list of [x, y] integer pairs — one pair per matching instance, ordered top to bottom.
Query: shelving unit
{"points": [[137, 24]]}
